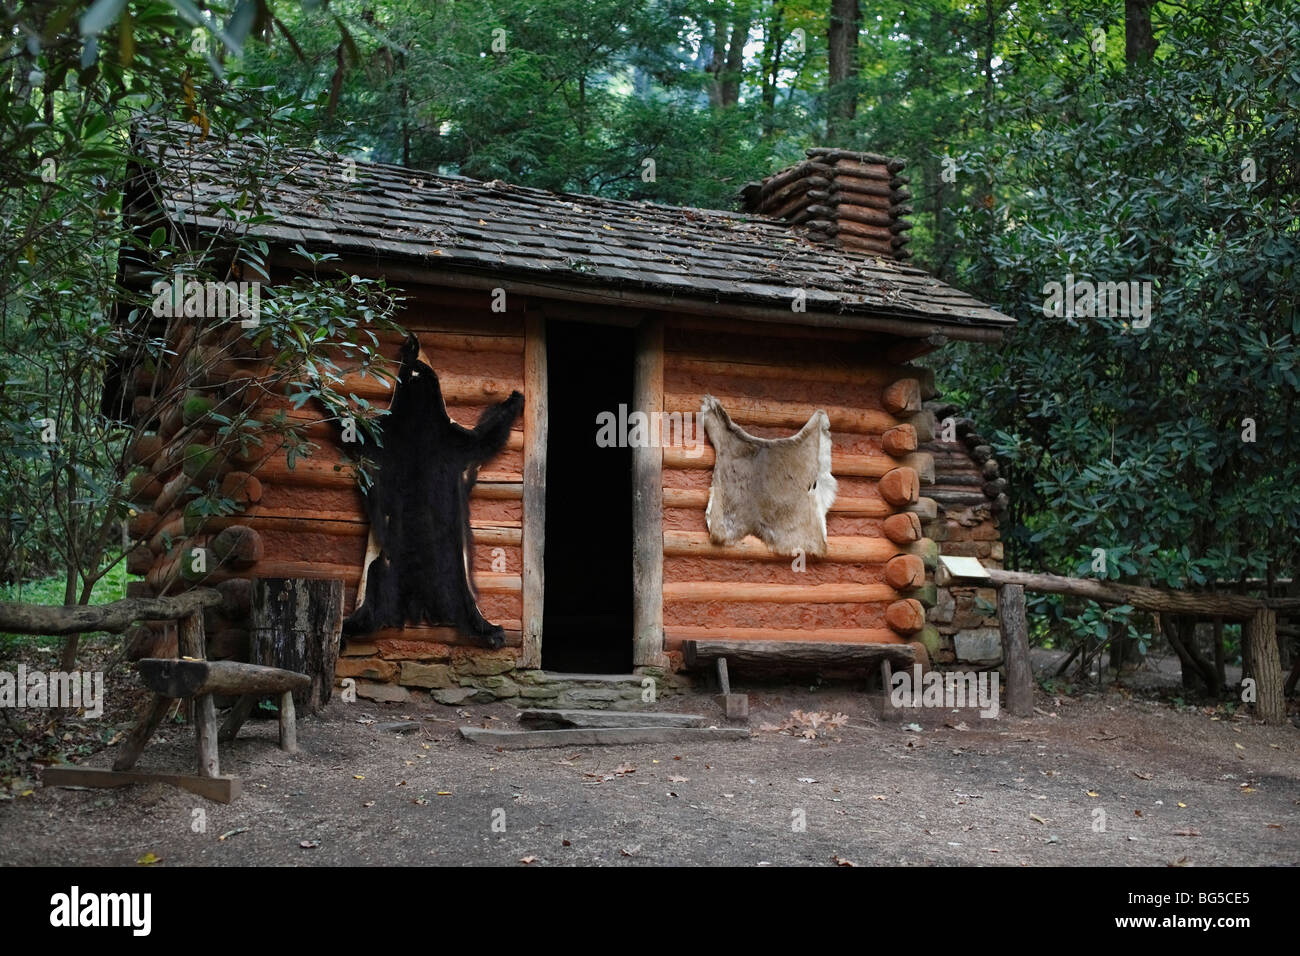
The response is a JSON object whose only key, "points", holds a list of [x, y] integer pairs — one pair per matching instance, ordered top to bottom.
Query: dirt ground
{"points": [[1099, 778]]}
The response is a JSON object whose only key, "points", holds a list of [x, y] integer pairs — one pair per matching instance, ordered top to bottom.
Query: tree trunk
{"points": [[1139, 40], [772, 50], [735, 62], [841, 94], [296, 624], [1181, 632], [68, 660], [1220, 667]]}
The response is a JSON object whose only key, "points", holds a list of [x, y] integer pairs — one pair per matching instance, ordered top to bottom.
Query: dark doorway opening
{"points": [[587, 608]]}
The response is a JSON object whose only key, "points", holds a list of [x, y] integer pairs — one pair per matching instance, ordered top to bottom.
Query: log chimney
{"points": [[850, 200]]}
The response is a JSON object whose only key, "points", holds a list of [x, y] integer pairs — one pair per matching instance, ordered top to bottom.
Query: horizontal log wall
{"points": [[308, 520], [863, 590]]}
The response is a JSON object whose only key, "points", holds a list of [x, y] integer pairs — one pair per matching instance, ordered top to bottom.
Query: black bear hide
{"points": [[418, 506]]}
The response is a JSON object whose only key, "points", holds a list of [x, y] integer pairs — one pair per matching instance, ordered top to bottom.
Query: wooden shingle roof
{"points": [[672, 257]]}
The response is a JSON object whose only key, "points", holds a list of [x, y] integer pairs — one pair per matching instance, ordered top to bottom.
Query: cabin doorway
{"points": [[587, 602]]}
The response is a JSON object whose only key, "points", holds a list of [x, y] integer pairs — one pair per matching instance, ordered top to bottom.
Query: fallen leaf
{"points": [[358, 776], [1142, 776], [677, 779], [1093, 793], [419, 801], [368, 803], [1183, 805], [1037, 819], [1187, 831], [230, 833], [565, 843], [631, 851], [149, 859], [528, 859], [840, 861], [1181, 861]]}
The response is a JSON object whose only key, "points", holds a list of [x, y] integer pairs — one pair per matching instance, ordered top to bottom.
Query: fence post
{"points": [[1015, 650], [1266, 666]]}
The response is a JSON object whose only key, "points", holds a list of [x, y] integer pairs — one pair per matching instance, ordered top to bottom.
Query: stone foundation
{"points": [[401, 671]]}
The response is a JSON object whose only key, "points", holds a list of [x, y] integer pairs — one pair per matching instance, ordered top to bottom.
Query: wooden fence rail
{"points": [[1259, 615], [18, 618]]}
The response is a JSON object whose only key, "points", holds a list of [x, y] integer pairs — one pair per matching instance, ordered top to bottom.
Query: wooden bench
{"points": [[790, 655], [193, 678]]}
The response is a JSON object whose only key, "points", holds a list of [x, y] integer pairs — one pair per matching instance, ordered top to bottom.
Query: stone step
{"points": [[608, 718], [599, 736]]}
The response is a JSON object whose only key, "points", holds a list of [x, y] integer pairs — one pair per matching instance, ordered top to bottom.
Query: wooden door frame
{"points": [[647, 504], [534, 516]]}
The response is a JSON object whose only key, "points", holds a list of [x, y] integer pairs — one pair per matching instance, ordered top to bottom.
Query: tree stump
{"points": [[296, 623]]}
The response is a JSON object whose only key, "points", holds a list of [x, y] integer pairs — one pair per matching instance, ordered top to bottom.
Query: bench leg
{"points": [[735, 706], [205, 710], [238, 714], [288, 724], [145, 725]]}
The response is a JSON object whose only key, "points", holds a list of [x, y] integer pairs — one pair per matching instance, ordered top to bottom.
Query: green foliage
{"points": [[75, 327], [1131, 439]]}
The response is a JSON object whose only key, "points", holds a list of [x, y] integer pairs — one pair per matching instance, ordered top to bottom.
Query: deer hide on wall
{"points": [[777, 489]]}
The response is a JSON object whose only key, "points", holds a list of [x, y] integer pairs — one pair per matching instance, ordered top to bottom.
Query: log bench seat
{"points": [[795, 654], [787, 656], [171, 678]]}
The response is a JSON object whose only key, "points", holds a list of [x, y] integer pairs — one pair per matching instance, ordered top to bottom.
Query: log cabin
{"points": [[596, 557]]}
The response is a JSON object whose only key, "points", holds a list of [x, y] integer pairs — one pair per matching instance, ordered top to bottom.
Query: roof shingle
{"points": [[395, 214]]}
